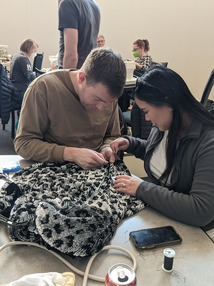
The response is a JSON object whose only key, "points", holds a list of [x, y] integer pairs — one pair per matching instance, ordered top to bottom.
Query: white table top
{"points": [[131, 81], [193, 262]]}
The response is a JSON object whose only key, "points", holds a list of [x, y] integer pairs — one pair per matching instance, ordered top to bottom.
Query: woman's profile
{"points": [[179, 152]]}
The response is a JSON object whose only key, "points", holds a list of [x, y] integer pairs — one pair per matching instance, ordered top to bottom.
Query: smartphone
{"points": [[154, 237]]}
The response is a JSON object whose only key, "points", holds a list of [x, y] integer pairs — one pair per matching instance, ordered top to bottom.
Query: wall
{"points": [[38, 19], [179, 31]]}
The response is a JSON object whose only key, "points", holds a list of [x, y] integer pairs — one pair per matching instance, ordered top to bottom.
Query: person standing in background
{"points": [[79, 23], [100, 41]]}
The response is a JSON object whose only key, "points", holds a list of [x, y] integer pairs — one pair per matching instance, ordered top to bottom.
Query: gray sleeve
{"points": [[68, 15], [27, 69], [136, 146], [194, 207]]}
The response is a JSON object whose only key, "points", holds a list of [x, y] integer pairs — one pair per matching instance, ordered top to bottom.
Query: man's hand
{"points": [[109, 155], [85, 158]]}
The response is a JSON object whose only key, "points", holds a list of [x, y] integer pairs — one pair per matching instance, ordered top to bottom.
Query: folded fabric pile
{"points": [[64, 207]]}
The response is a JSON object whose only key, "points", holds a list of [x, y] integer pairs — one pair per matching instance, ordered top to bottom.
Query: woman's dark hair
{"points": [[142, 44], [161, 86]]}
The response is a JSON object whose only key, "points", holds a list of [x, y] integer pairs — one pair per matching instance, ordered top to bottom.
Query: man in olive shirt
{"points": [[72, 115]]}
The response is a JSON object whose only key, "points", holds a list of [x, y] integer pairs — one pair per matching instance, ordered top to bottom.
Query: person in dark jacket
{"points": [[21, 74], [6, 90], [178, 154]]}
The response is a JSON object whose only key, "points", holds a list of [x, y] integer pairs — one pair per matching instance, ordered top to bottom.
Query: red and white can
{"points": [[121, 275]]}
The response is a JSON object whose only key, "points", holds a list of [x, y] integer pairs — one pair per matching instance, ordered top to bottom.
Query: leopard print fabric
{"points": [[67, 208]]}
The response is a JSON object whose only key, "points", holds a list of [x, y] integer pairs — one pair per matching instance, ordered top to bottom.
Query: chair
{"points": [[37, 63], [165, 64], [39, 72], [207, 90], [16, 102], [13, 123], [123, 129]]}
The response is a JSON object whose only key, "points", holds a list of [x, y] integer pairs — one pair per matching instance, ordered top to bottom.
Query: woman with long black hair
{"points": [[179, 152]]}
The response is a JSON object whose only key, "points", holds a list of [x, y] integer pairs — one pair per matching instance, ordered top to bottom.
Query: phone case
{"points": [[153, 237]]}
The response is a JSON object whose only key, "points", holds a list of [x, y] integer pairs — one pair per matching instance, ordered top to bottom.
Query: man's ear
{"points": [[81, 77]]}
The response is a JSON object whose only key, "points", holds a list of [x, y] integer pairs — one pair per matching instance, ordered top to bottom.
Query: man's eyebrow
{"points": [[100, 99], [106, 101]]}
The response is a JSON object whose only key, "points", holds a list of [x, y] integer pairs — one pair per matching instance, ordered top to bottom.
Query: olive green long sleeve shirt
{"points": [[52, 118]]}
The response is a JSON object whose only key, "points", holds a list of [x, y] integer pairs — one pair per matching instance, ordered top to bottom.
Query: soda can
{"points": [[120, 275]]}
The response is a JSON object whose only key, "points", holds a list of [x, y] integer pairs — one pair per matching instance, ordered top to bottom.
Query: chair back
{"points": [[37, 63], [165, 64], [207, 89]]}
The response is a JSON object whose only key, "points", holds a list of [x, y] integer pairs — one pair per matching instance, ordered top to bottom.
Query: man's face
{"points": [[100, 42], [94, 96]]}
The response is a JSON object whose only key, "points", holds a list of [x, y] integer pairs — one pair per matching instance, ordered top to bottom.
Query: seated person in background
{"points": [[100, 41], [142, 59], [21, 73], [72, 115], [140, 127], [178, 154]]}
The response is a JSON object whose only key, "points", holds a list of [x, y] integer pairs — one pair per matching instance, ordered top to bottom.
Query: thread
{"points": [[169, 254]]}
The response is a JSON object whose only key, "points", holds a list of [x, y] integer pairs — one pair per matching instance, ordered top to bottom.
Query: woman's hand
{"points": [[138, 66], [119, 144], [109, 155], [127, 184]]}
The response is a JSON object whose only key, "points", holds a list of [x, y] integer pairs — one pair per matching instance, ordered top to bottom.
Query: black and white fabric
{"points": [[66, 208]]}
